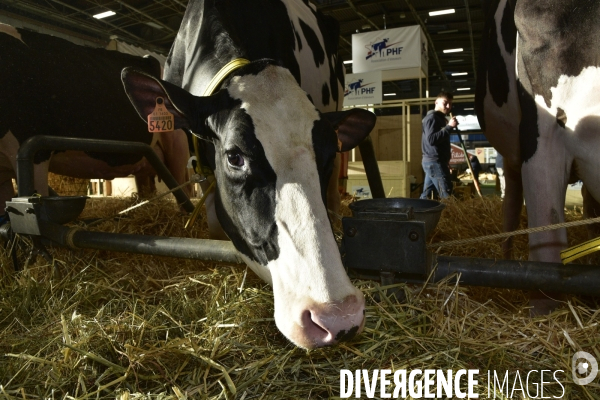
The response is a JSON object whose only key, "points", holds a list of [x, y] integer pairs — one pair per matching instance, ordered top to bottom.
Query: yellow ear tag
{"points": [[160, 120]]}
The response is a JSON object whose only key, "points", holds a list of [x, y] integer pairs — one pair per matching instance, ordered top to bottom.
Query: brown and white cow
{"points": [[49, 86], [274, 147]]}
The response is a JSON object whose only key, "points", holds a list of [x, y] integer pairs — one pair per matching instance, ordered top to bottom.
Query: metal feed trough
{"points": [[384, 240]]}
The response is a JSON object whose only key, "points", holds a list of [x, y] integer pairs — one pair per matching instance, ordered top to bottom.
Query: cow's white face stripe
{"points": [[309, 268]]}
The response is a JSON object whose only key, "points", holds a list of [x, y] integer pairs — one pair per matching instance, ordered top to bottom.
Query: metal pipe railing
{"points": [[193, 249], [512, 274], [526, 275]]}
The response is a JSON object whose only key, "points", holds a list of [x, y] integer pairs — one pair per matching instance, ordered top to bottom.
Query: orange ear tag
{"points": [[160, 120]]}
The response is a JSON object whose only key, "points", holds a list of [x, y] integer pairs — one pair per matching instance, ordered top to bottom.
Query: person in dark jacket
{"points": [[435, 145]]}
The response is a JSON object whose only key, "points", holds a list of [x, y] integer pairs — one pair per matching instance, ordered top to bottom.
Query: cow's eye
{"points": [[235, 159]]}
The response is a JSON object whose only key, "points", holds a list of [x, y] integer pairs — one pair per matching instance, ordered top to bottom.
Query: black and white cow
{"points": [[49, 86], [497, 104], [540, 107], [274, 148]]}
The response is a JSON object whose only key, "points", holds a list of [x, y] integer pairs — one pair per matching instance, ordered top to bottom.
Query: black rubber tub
{"points": [[62, 209], [428, 211]]}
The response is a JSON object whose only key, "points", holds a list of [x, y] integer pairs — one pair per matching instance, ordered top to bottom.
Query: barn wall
{"points": [[387, 142], [395, 182]]}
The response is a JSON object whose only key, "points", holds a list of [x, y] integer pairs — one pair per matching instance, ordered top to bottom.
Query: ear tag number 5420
{"points": [[160, 120]]}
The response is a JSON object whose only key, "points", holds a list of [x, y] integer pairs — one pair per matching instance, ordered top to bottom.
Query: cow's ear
{"points": [[189, 111], [352, 126]]}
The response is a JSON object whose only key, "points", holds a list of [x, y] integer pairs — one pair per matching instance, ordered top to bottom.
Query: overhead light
{"points": [[441, 12], [104, 14], [154, 25], [448, 31], [453, 50], [456, 60], [348, 62], [459, 73], [464, 88], [389, 94], [469, 109]]}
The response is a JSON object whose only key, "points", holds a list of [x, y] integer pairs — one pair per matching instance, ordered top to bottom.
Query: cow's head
{"points": [[274, 157]]}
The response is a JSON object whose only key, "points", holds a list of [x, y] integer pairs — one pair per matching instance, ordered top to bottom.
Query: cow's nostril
{"points": [[312, 322], [331, 323]]}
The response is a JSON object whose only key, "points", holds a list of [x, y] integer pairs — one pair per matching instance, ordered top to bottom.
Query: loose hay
{"points": [[68, 186], [99, 324]]}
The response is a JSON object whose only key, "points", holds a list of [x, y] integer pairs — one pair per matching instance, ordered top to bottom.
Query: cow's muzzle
{"points": [[331, 323]]}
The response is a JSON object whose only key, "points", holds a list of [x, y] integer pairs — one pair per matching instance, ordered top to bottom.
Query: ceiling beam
{"points": [[145, 15], [361, 15], [53, 27], [117, 28], [471, 37], [429, 40]]}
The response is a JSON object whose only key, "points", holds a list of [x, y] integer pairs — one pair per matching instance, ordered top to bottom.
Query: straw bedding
{"points": [[96, 324]]}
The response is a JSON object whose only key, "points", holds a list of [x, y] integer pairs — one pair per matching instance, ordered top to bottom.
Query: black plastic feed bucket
{"points": [[62, 209], [428, 211]]}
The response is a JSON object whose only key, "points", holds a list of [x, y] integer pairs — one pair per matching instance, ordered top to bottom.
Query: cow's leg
{"points": [[584, 143], [176, 154], [8, 155], [8, 161], [145, 177], [545, 179], [6, 187], [146, 187], [6, 193], [511, 206], [591, 209]]}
